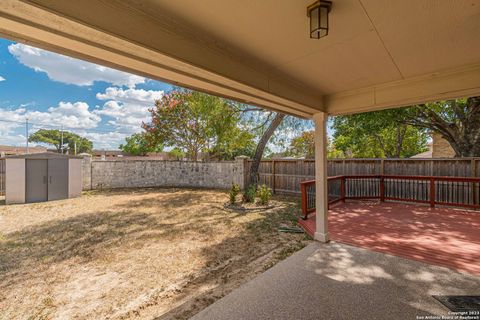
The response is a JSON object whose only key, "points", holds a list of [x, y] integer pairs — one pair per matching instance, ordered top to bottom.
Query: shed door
{"points": [[57, 179], [36, 180]]}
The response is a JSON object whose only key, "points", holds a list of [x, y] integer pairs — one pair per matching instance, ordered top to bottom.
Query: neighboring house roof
{"points": [[14, 150], [109, 153], [426, 154]]}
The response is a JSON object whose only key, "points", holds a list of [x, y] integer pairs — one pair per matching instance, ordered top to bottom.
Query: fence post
{"points": [[87, 169], [273, 176], [474, 185], [382, 188], [342, 189], [432, 192]]}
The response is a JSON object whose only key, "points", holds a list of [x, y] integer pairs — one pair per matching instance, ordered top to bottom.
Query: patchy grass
{"points": [[134, 254]]}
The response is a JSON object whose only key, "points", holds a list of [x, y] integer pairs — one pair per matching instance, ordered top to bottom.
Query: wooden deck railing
{"points": [[445, 191]]}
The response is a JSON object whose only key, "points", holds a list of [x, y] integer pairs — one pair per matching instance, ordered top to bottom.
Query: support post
{"points": [[342, 189], [321, 192]]}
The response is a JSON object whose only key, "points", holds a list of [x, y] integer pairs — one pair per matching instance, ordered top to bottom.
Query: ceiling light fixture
{"points": [[318, 14]]}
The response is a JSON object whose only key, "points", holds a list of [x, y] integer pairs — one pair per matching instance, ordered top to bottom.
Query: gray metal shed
{"points": [[42, 177]]}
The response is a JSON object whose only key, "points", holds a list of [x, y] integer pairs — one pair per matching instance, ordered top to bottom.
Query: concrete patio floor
{"points": [[338, 281]]}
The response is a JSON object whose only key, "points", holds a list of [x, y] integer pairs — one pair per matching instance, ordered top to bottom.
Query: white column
{"points": [[321, 196]]}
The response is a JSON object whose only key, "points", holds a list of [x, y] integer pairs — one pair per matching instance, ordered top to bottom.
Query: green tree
{"points": [[458, 121], [196, 123], [378, 134], [71, 141], [235, 142], [138, 144], [303, 145], [177, 154]]}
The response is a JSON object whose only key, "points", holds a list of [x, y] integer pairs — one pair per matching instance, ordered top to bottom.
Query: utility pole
{"points": [[26, 133], [61, 140]]}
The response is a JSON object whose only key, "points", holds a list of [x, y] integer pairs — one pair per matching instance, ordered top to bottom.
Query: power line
{"points": [[40, 125]]}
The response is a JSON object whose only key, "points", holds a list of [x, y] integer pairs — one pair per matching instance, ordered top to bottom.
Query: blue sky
{"points": [[52, 90]]}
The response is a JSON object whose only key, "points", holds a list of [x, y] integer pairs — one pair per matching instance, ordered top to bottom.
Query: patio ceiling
{"points": [[378, 54]]}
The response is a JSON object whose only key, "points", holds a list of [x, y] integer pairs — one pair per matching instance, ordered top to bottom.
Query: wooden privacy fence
{"points": [[284, 176], [432, 190]]}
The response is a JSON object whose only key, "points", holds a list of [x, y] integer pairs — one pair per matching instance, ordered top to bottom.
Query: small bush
{"points": [[234, 191], [249, 194], [264, 194]]}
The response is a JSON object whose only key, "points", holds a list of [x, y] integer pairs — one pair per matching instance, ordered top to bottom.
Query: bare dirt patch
{"points": [[134, 254]]}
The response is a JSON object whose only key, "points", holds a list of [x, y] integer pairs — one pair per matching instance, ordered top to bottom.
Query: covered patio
{"points": [[377, 55]]}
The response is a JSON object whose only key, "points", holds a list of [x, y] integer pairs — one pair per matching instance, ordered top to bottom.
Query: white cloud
{"points": [[69, 70], [2, 78], [127, 108], [71, 115], [7, 127], [13, 140], [107, 140]]}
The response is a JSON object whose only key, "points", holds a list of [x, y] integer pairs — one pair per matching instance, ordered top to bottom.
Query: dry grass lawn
{"points": [[134, 254]]}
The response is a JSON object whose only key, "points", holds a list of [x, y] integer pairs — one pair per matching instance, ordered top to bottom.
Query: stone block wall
{"points": [[155, 173]]}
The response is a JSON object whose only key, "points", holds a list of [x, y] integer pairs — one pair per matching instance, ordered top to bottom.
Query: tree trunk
{"points": [[401, 132], [261, 147]]}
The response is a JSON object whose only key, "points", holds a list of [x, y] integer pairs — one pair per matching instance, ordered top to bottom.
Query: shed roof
{"points": [[44, 155]]}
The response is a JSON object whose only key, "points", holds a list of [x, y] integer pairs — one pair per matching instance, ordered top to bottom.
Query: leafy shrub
{"points": [[234, 191], [249, 194], [264, 194]]}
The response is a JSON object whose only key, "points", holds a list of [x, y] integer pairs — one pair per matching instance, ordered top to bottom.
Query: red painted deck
{"points": [[439, 236]]}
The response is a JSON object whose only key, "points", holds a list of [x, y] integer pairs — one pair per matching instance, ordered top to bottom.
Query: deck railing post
{"points": [[342, 189], [382, 189], [432, 192]]}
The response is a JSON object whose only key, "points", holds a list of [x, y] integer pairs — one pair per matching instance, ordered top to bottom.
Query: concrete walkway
{"points": [[338, 281]]}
